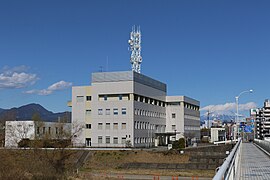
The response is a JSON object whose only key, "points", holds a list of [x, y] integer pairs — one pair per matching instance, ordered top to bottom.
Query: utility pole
{"points": [[208, 124]]}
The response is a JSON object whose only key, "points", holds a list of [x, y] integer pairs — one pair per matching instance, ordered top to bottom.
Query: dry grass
{"points": [[114, 159], [107, 162], [34, 163]]}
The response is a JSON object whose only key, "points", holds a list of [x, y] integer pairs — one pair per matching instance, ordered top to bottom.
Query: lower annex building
{"points": [[129, 109]]}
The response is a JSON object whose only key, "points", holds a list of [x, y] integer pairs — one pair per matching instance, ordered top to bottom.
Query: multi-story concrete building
{"points": [[127, 108], [262, 125]]}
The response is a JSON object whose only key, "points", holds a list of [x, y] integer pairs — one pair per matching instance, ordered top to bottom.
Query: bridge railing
{"points": [[265, 145], [230, 168]]}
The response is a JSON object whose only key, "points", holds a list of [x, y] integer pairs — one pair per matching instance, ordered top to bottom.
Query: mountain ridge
{"points": [[26, 112]]}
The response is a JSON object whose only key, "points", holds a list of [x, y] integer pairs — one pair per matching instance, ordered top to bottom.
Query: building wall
{"points": [[144, 102], [112, 106], [149, 114], [80, 115], [183, 116], [263, 121], [17, 130], [217, 134]]}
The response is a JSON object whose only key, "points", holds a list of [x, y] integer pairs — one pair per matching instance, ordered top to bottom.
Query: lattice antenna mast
{"points": [[135, 48]]}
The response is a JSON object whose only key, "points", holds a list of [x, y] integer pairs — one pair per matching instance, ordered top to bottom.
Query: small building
{"points": [[15, 131], [218, 134]]}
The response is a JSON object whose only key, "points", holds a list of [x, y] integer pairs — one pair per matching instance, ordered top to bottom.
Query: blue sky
{"points": [[208, 50]]}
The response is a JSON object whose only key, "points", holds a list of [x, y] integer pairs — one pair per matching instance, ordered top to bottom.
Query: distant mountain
{"points": [[26, 113], [222, 117]]}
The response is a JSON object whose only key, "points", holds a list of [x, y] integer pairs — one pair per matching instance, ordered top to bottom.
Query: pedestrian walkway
{"points": [[255, 164]]}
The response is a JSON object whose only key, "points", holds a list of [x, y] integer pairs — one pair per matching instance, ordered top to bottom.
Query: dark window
{"points": [[120, 97], [88, 98], [88, 126]]}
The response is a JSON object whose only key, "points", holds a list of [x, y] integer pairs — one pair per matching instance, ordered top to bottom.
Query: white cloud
{"points": [[16, 77], [59, 86], [54, 87], [229, 107]]}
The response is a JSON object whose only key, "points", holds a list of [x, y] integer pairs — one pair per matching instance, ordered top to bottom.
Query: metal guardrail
{"points": [[265, 145], [229, 169]]}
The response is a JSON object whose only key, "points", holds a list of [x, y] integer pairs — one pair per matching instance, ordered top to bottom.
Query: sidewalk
{"points": [[254, 163]]}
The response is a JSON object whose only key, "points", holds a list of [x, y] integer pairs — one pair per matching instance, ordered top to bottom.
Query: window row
{"points": [[113, 97], [80, 99], [148, 100], [191, 106], [115, 111], [147, 113], [192, 117], [147, 125], [115, 126], [192, 128], [49, 130], [113, 140], [142, 140]]}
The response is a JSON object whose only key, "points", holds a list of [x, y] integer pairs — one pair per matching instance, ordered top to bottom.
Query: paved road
{"points": [[254, 163]]}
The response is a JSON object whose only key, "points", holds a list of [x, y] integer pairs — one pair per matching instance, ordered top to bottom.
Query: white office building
{"points": [[122, 109]]}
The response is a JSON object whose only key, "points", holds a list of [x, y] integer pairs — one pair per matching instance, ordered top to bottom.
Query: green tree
{"points": [[180, 144]]}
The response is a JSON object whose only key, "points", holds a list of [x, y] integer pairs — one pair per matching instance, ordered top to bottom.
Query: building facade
{"points": [[122, 109], [262, 125], [15, 131]]}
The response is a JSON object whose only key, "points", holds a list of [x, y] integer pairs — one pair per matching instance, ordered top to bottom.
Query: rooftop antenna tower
{"points": [[135, 48]]}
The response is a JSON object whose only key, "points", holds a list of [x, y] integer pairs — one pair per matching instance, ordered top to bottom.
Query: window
{"points": [[120, 97], [88, 98], [105, 98], [79, 99], [115, 111], [124, 111], [88, 112], [100, 112], [107, 112], [173, 115], [99, 125], [108, 125], [115, 125], [124, 125], [88, 126], [173, 127], [37, 130], [43, 130], [56, 130], [49, 131], [99, 139], [108, 140], [115, 140], [123, 140], [88, 142]]}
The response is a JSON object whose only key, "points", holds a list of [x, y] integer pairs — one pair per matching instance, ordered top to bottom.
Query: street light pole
{"points": [[237, 101]]}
